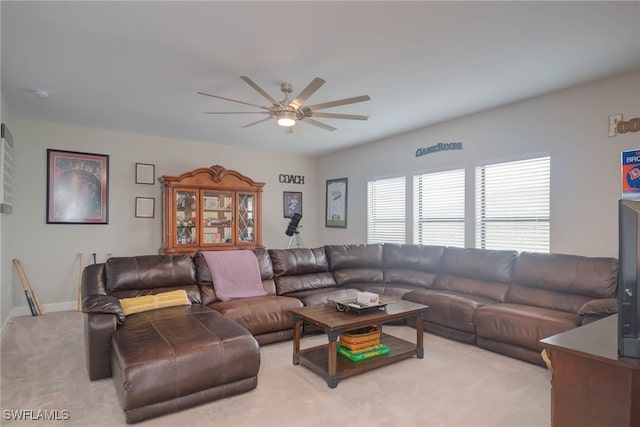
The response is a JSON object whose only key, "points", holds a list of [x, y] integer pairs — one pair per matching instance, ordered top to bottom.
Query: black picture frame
{"points": [[145, 173], [77, 187], [291, 203], [336, 203], [145, 207]]}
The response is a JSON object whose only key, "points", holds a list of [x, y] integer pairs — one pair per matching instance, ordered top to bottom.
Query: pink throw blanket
{"points": [[235, 274]]}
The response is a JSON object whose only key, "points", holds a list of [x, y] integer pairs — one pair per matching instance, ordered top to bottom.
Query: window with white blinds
{"points": [[512, 205], [438, 208], [386, 210]]}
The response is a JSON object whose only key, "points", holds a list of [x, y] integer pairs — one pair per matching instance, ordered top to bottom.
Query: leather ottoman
{"points": [[174, 358]]}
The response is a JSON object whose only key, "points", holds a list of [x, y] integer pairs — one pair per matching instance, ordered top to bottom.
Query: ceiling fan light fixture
{"points": [[288, 113], [286, 119]]}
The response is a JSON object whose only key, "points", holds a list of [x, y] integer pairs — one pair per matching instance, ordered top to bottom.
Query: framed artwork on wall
{"points": [[145, 173], [77, 187], [292, 203], [336, 203], [145, 207]]}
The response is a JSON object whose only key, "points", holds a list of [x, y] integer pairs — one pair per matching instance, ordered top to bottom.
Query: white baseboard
{"points": [[23, 310]]}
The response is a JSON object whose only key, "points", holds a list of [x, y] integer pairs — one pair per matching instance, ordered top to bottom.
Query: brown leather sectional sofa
{"points": [[172, 358]]}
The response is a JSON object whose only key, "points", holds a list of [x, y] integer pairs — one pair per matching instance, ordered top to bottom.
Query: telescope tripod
{"points": [[297, 239]]}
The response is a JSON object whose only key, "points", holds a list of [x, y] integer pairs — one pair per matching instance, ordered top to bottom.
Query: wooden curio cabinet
{"points": [[210, 209]]}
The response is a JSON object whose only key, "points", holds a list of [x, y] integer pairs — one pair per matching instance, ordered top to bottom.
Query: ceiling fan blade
{"points": [[260, 90], [307, 92], [234, 100], [345, 101], [235, 112], [338, 116], [255, 123], [317, 123]]}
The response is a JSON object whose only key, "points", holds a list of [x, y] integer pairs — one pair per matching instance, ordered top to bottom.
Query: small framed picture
{"points": [[145, 173], [292, 203], [145, 207]]}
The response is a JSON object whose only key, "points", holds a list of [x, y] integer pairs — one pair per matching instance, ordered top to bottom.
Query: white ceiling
{"points": [[136, 66]]}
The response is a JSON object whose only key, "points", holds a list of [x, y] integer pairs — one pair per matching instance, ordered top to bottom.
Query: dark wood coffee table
{"points": [[324, 359]]}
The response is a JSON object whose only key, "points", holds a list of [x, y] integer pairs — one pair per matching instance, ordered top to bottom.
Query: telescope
{"points": [[292, 230]]}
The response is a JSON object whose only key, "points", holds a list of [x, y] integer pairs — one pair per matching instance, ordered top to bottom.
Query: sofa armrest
{"points": [[104, 304], [597, 309], [98, 328]]}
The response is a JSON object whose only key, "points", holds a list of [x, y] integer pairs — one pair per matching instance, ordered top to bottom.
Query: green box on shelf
{"points": [[364, 354]]}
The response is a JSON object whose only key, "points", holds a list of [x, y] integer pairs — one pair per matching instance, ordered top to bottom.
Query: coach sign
{"points": [[291, 179]]}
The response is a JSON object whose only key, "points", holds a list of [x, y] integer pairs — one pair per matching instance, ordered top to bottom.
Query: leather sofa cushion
{"points": [[354, 256], [414, 257], [298, 261], [355, 263], [412, 264], [480, 264], [300, 269], [149, 272], [570, 274], [348, 276], [127, 277], [409, 277], [94, 280], [206, 283], [288, 284], [394, 291], [495, 291], [322, 296], [552, 300], [599, 307], [449, 309], [260, 315], [522, 325], [444, 331], [164, 354], [531, 356]]}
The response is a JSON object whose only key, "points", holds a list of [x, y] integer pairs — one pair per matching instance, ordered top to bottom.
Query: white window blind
{"points": [[512, 205], [438, 208], [386, 210]]}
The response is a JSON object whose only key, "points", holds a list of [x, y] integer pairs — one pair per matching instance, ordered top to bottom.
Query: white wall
{"points": [[570, 125], [49, 252]]}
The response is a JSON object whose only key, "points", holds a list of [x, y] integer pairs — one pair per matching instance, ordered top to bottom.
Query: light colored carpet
{"points": [[454, 385]]}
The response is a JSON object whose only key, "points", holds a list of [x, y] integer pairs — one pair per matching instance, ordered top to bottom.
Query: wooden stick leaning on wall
{"points": [[34, 293], [32, 296]]}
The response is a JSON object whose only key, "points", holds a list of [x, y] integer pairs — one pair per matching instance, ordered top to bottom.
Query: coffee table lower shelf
{"points": [[316, 359]]}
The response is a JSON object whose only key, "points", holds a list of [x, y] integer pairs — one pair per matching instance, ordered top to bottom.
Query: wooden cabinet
{"points": [[210, 209], [591, 384]]}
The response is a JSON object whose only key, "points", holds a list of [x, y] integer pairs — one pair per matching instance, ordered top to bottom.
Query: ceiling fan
{"points": [[289, 112]]}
